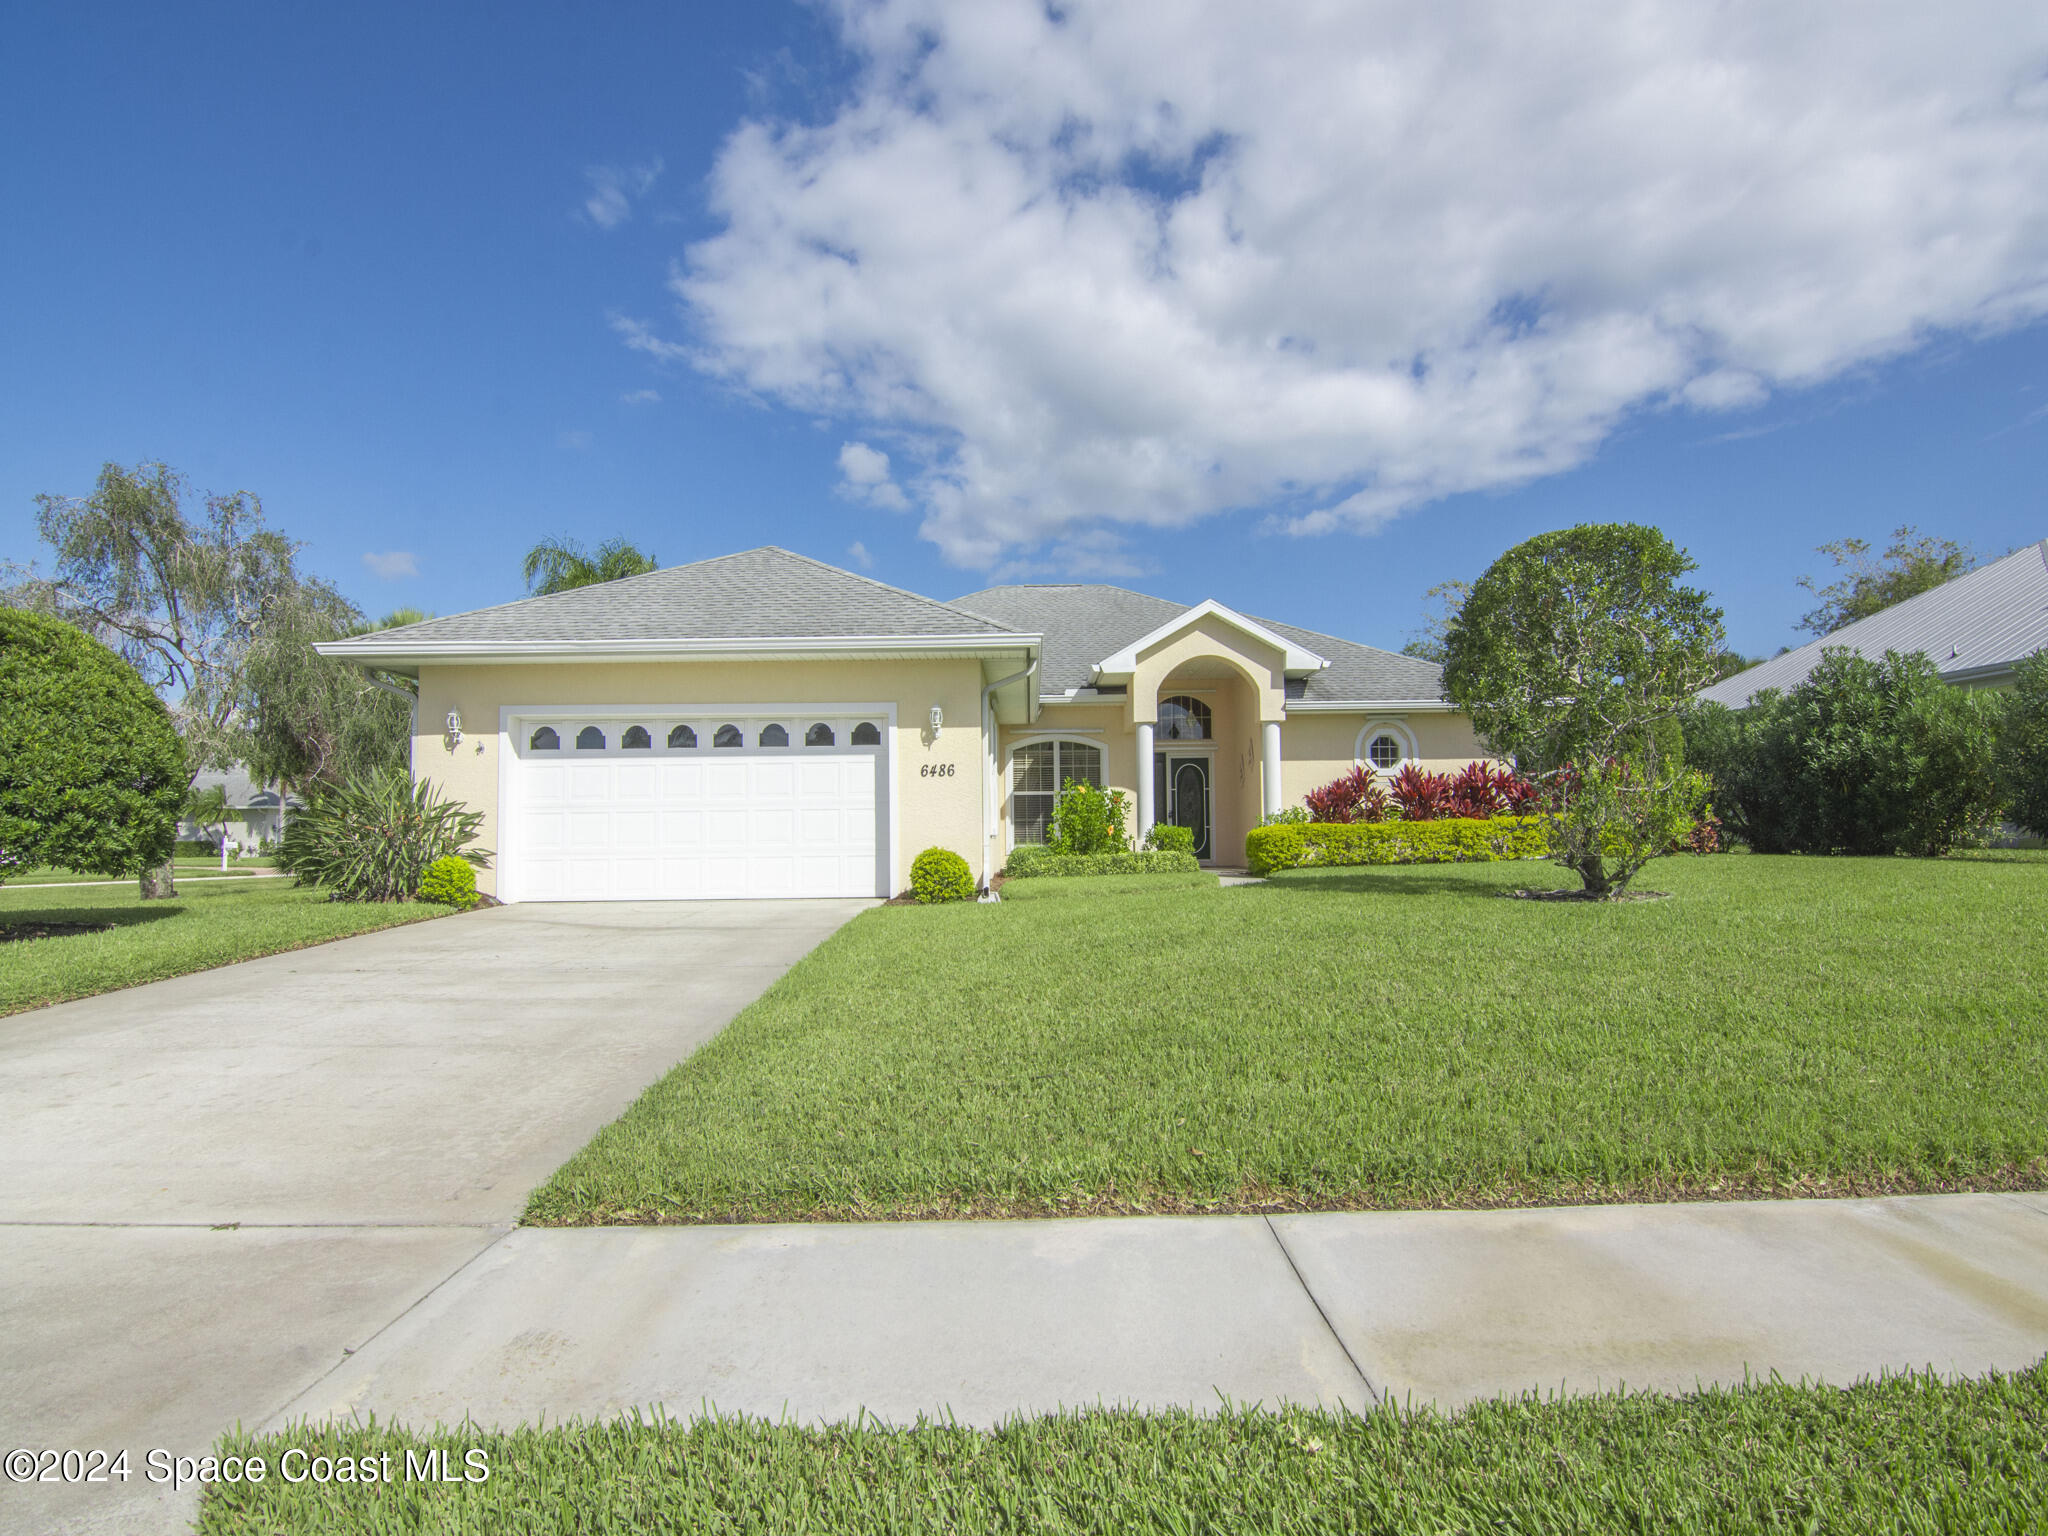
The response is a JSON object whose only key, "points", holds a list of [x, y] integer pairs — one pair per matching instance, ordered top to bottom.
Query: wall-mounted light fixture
{"points": [[938, 719], [453, 735]]}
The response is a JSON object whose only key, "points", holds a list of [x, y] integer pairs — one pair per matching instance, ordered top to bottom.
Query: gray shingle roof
{"points": [[758, 594], [1083, 623], [1976, 625], [1363, 672]]}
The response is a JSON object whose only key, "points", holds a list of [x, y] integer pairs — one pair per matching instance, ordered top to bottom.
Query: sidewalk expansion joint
{"points": [[1316, 1302]]}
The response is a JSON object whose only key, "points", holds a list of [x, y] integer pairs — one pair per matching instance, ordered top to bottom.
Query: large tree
{"points": [[1914, 563], [556, 565], [181, 598], [1427, 643], [1575, 654], [314, 722], [2023, 745], [92, 774]]}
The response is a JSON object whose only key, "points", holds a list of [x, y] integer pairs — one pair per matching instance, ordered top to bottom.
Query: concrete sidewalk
{"points": [[989, 1319]]}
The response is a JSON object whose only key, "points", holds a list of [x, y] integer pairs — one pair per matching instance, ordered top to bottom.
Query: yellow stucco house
{"points": [[765, 725]]}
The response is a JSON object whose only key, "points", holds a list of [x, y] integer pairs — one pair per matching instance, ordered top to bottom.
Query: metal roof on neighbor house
{"points": [[758, 594], [1083, 623], [1974, 628]]}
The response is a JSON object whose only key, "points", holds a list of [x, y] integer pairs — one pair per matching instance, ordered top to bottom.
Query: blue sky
{"points": [[417, 279]]}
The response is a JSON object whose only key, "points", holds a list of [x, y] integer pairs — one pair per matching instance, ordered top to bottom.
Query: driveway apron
{"points": [[214, 1188]]}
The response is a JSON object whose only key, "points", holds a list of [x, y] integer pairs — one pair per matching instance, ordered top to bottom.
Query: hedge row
{"points": [[1453, 841], [1032, 860]]}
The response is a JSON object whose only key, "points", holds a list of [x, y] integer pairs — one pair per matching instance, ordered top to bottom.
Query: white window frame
{"points": [[1395, 728], [1057, 739]]}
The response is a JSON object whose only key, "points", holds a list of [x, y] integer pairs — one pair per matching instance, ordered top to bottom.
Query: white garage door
{"points": [[673, 807]]}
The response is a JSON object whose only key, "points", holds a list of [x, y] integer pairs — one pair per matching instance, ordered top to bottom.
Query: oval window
{"points": [[820, 735], [865, 735], [636, 736], [682, 736], [727, 736], [774, 736], [590, 739], [1385, 752]]}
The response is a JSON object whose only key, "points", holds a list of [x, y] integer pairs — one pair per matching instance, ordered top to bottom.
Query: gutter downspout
{"points": [[990, 762]]}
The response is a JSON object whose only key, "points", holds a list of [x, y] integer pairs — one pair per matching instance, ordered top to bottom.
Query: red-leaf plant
{"points": [[1356, 796], [1422, 796]]}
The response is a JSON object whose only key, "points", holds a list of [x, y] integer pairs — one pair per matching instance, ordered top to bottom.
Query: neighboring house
{"points": [[1975, 629], [762, 724], [252, 811]]}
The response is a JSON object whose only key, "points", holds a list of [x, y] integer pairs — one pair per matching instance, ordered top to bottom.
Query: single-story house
{"points": [[1975, 629], [762, 724], [252, 811]]}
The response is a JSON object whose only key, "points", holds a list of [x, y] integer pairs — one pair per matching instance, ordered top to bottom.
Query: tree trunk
{"points": [[1593, 870], [158, 884]]}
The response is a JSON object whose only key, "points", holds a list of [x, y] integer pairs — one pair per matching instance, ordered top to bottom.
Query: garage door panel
{"points": [[692, 824]]}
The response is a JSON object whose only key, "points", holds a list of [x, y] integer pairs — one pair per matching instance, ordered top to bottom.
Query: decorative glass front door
{"points": [[1180, 792]]}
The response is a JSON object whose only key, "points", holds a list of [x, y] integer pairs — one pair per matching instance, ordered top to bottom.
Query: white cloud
{"points": [[611, 189], [1101, 268], [642, 397], [576, 439], [864, 476], [857, 552], [393, 566]]}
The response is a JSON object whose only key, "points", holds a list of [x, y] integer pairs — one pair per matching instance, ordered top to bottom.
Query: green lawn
{"points": [[185, 867], [207, 925], [1367, 1038], [1906, 1454]]}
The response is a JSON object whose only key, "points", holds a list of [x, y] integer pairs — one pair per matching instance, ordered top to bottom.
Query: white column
{"points": [[1270, 765], [1146, 809]]}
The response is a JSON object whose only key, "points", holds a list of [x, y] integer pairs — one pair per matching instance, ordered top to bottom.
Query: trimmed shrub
{"points": [[2023, 745], [1864, 757], [92, 773], [1088, 820], [1165, 837], [373, 838], [1448, 841], [195, 848], [1031, 861], [940, 874], [450, 881]]}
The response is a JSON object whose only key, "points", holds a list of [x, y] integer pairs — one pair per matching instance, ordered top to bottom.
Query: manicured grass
{"points": [[200, 868], [1063, 887], [205, 926], [1369, 1038], [1906, 1454]]}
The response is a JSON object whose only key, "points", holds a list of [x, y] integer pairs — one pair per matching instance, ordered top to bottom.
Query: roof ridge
{"points": [[840, 570]]}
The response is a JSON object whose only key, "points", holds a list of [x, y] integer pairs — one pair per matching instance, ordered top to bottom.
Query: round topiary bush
{"points": [[92, 773], [939, 874], [449, 882]]}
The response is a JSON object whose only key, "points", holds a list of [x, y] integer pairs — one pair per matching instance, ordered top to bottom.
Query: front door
{"points": [[1181, 791]]}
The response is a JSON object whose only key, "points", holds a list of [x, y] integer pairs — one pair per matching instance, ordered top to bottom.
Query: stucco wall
{"points": [[1314, 749], [943, 811]]}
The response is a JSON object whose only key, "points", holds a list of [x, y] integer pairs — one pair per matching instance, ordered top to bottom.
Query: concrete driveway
{"points": [[212, 1189]]}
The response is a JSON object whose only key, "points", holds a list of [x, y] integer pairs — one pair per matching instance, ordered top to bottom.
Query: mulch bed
{"points": [[9, 932]]}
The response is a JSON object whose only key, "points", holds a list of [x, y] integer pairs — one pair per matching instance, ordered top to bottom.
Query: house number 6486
{"points": [[935, 771]]}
